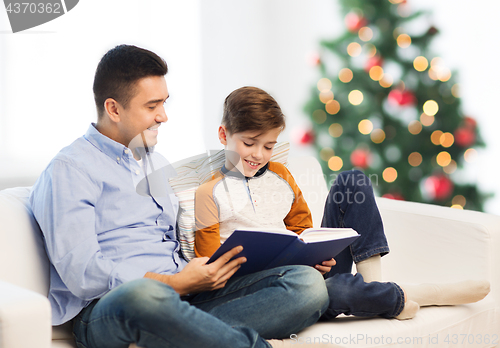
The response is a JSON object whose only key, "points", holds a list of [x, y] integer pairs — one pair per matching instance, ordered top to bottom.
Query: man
{"points": [[108, 217]]}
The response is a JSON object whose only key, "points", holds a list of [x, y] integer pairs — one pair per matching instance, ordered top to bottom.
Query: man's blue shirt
{"points": [[106, 219]]}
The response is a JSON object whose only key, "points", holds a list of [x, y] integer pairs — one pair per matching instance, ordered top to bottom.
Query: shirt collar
{"points": [[107, 145], [237, 173]]}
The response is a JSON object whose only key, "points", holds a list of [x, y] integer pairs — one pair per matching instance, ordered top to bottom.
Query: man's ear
{"points": [[111, 108], [223, 135]]}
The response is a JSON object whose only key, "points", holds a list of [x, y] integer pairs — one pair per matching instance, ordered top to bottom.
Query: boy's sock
{"points": [[370, 269], [467, 291], [409, 311]]}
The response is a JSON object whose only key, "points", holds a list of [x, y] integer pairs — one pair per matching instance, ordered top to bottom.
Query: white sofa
{"points": [[428, 244]]}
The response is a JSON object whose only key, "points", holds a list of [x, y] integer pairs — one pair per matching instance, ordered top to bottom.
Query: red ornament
{"points": [[354, 21], [314, 59], [373, 61], [401, 98], [469, 122], [304, 136], [464, 136], [360, 158], [439, 187], [394, 195]]}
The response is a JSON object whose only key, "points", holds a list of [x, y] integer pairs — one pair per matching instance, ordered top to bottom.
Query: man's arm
{"points": [[199, 276]]}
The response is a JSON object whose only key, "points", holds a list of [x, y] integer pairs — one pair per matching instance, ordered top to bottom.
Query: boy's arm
{"points": [[207, 237]]}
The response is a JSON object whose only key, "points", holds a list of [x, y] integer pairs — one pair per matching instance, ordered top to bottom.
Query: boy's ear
{"points": [[111, 108], [223, 135]]}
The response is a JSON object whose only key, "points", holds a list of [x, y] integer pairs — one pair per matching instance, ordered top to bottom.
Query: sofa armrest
{"points": [[431, 243], [25, 318]]}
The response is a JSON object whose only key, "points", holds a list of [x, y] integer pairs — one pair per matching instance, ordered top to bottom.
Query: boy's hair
{"points": [[118, 71], [251, 109]]}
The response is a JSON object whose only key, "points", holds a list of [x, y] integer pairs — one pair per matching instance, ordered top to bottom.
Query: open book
{"points": [[265, 249]]}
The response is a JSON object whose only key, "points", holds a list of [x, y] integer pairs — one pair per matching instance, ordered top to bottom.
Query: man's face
{"points": [[139, 122], [248, 151]]}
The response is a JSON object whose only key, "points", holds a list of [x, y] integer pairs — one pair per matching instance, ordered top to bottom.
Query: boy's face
{"points": [[248, 151]]}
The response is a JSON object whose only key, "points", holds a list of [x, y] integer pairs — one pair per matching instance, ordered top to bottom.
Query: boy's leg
{"points": [[351, 203], [350, 295], [276, 303], [151, 314]]}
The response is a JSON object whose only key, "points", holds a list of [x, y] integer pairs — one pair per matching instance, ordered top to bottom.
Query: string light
{"points": [[365, 34], [404, 40], [354, 49], [370, 50], [420, 63], [376, 73], [345, 75], [386, 81], [324, 84], [325, 96], [355, 97], [332, 107], [431, 107], [319, 116], [426, 120], [365, 127], [415, 127], [335, 130], [377, 136], [436, 137], [446, 139], [326, 153], [470, 155], [443, 158], [415, 159], [335, 163], [450, 168], [390, 174], [459, 200], [457, 206]]}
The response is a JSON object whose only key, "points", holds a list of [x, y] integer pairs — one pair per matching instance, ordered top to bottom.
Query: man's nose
{"points": [[162, 115]]}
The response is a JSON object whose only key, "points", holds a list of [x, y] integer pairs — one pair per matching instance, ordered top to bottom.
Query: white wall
{"points": [[212, 47]]}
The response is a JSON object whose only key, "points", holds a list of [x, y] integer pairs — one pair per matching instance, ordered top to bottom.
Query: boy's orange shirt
{"points": [[270, 199]]}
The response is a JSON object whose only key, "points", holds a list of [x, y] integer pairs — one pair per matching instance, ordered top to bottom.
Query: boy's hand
{"points": [[326, 266], [197, 276]]}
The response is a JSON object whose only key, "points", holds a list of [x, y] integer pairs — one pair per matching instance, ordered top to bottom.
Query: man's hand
{"points": [[326, 266], [199, 276]]}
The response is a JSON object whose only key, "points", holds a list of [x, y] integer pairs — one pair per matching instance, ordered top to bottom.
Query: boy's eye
{"points": [[246, 144], [268, 148]]}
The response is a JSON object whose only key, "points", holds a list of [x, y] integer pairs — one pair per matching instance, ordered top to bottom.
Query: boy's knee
{"points": [[308, 283]]}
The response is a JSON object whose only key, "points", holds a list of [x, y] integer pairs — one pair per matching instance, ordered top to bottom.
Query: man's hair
{"points": [[118, 71], [251, 109]]}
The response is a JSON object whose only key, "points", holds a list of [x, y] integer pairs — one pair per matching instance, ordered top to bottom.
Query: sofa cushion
{"points": [[189, 177], [21, 243]]}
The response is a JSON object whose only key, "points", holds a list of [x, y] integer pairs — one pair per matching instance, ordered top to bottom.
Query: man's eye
{"points": [[152, 107]]}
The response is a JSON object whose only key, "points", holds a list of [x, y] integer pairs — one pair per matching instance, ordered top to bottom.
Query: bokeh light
{"points": [[365, 34], [404, 40], [354, 49], [370, 50], [420, 63], [376, 73], [345, 75], [386, 81], [324, 84], [455, 90], [325, 96], [355, 97], [332, 107], [431, 107], [319, 116], [426, 120], [365, 127], [415, 127], [335, 130], [377, 136], [436, 137], [446, 139], [326, 153], [470, 155], [443, 158], [415, 159], [335, 163], [450, 168], [390, 174], [459, 200]]}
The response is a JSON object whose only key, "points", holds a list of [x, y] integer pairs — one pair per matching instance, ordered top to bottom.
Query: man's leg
{"points": [[351, 203], [276, 303], [151, 314]]}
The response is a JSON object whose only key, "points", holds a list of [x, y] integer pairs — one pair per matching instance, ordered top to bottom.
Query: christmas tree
{"points": [[386, 105]]}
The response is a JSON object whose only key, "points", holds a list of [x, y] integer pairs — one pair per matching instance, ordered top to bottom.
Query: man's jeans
{"points": [[351, 203], [268, 304]]}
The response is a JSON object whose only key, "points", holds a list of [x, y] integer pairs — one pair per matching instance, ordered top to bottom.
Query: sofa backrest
{"points": [[23, 260]]}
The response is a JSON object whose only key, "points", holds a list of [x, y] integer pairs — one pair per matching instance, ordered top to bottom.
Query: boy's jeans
{"points": [[351, 203], [268, 304]]}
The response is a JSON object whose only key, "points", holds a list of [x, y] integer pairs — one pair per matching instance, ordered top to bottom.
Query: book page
{"points": [[269, 230], [312, 235]]}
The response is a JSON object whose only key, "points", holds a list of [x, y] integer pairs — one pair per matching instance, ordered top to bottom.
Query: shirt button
{"points": [[126, 151], [118, 159], [137, 172]]}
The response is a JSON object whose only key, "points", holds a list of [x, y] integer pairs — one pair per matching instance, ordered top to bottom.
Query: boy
{"points": [[250, 191]]}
